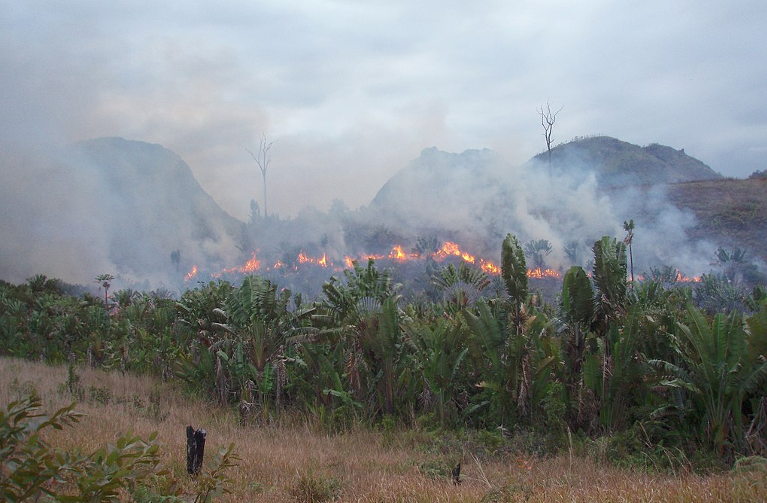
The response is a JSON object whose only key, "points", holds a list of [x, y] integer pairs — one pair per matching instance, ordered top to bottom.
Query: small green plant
{"points": [[72, 385], [20, 390], [99, 395], [154, 409], [28, 463], [751, 464], [435, 469], [31, 470], [213, 483], [312, 488]]}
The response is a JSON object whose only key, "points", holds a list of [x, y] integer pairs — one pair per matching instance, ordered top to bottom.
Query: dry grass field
{"points": [[299, 463]]}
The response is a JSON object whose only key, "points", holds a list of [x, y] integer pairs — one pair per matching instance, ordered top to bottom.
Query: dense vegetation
{"points": [[652, 366]]}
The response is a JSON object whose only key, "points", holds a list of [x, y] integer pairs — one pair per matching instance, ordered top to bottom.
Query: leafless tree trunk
{"points": [[548, 118], [263, 159]]}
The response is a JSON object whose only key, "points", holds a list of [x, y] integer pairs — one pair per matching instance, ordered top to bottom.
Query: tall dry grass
{"points": [[297, 463]]}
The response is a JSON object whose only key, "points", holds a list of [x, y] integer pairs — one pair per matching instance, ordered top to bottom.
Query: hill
{"points": [[618, 163], [111, 205], [683, 208], [728, 211]]}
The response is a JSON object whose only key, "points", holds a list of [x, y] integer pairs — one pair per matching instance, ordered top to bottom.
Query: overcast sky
{"points": [[351, 91]]}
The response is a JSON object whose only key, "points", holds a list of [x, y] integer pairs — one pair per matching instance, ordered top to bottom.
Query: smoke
{"points": [[112, 205], [108, 206]]}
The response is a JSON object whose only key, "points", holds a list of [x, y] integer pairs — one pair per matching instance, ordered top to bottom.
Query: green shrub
{"points": [[31, 470], [312, 488]]}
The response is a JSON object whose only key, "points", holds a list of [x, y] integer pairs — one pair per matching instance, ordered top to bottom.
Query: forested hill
{"points": [[617, 163]]}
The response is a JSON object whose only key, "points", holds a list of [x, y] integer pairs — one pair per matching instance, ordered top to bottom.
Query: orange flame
{"points": [[398, 253], [322, 261], [253, 264], [489, 267], [539, 273], [191, 274], [681, 278]]}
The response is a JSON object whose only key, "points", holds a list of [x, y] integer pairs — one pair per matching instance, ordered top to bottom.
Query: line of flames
{"points": [[398, 254]]}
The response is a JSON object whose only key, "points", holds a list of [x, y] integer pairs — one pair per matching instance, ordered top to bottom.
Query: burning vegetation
{"points": [[448, 250]]}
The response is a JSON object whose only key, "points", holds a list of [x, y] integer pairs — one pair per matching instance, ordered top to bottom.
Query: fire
{"points": [[452, 249], [397, 253], [322, 261], [253, 264], [489, 267], [539, 273], [191, 274], [681, 278]]}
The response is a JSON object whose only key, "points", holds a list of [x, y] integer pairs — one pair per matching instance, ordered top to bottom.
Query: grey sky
{"points": [[351, 91]]}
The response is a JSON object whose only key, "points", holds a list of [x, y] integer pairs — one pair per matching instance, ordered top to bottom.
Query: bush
{"points": [[34, 471], [311, 488]]}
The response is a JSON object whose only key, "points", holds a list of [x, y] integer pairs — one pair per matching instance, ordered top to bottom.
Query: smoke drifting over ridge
{"points": [[480, 197], [107, 205], [112, 205]]}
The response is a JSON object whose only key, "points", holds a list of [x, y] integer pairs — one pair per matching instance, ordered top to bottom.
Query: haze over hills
{"points": [[109, 205], [119, 206], [681, 206]]}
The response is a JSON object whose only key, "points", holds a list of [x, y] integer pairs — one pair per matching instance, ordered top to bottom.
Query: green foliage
{"points": [[514, 270], [610, 279], [460, 286], [716, 293], [577, 296], [440, 350], [470, 358], [718, 372], [28, 464], [30, 469], [213, 482], [313, 488]]}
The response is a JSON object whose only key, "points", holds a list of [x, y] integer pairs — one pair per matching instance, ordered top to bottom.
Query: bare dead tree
{"points": [[548, 118], [263, 159]]}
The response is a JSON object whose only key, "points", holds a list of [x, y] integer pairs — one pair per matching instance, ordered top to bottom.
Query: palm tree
{"points": [[628, 226], [538, 250], [514, 274], [104, 280], [610, 280], [460, 286], [577, 307], [440, 349], [717, 369]]}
